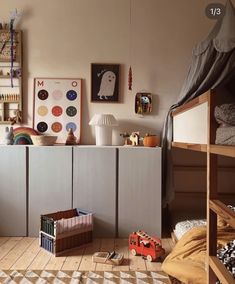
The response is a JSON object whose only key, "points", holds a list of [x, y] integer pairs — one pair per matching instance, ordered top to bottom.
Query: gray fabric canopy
{"points": [[213, 63]]}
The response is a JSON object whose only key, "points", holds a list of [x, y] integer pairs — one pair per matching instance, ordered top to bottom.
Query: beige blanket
{"points": [[187, 260]]}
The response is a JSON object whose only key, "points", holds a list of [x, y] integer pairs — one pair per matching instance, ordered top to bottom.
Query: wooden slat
{"points": [[191, 104], [188, 146], [222, 150], [223, 211], [3, 240], [8, 246], [25, 253], [13, 255], [29, 255], [73, 259], [40, 260], [55, 263], [87, 263], [220, 270]]}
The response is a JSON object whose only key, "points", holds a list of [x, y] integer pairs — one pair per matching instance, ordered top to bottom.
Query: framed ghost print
{"points": [[104, 82]]}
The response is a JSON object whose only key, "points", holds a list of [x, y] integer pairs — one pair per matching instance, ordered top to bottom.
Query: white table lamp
{"points": [[103, 128]]}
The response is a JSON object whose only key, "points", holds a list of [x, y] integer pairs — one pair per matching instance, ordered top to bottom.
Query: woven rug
{"points": [[82, 277]]}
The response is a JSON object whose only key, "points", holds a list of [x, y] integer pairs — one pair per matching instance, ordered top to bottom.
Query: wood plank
{"points": [[191, 104], [188, 146], [222, 150], [223, 211], [3, 240], [8, 245], [106, 245], [121, 246], [28, 256], [73, 259], [8, 260], [40, 260], [86, 262], [55, 263], [220, 270]]}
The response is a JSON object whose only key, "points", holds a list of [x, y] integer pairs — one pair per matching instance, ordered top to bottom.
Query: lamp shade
{"points": [[103, 120], [103, 128]]}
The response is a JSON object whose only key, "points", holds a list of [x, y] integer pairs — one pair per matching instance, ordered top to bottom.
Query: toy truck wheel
{"points": [[133, 251], [149, 258]]}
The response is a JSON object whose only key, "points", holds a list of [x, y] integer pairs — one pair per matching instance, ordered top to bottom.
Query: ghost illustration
{"points": [[107, 85]]}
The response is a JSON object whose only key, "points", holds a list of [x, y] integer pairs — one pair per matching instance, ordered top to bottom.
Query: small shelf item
{"points": [[10, 76], [143, 103], [143, 244], [106, 257]]}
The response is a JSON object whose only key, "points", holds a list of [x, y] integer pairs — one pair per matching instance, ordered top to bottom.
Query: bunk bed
{"points": [[195, 128]]}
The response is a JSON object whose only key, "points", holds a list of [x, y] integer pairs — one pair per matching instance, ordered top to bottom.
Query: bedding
{"points": [[225, 116], [225, 135], [183, 227], [187, 260]]}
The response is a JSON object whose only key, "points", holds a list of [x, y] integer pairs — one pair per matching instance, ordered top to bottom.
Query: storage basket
{"points": [[64, 230]]}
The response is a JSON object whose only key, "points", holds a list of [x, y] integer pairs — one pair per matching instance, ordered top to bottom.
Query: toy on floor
{"points": [[143, 244], [106, 257]]}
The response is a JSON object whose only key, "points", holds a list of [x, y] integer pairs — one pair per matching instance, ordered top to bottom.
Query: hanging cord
{"points": [[130, 30], [12, 54]]}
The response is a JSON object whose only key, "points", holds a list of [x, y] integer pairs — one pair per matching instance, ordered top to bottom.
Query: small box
{"points": [[65, 230]]}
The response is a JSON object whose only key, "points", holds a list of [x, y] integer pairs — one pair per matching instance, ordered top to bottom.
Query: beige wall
{"points": [[63, 37]]}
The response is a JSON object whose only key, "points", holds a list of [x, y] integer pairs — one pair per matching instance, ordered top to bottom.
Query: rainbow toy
{"points": [[22, 135]]}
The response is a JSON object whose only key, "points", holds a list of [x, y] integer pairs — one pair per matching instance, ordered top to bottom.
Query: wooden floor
{"points": [[24, 253]]}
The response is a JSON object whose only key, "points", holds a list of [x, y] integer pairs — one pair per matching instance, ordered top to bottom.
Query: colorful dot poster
{"points": [[57, 107]]}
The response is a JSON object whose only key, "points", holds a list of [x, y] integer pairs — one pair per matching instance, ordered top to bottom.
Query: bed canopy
{"points": [[212, 64]]}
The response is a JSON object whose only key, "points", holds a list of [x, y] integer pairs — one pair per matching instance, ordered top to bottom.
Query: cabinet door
{"points": [[50, 182], [95, 186], [13, 191], [139, 192]]}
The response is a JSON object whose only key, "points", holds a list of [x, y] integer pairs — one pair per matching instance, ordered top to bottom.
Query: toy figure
{"points": [[9, 137], [134, 138], [71, 139], [149, 247]]}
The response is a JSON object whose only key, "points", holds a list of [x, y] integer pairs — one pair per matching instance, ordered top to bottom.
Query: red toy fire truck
{"points": [[143, 244]]}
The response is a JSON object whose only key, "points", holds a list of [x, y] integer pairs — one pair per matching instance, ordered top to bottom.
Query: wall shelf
{"points": [[11, 109]]}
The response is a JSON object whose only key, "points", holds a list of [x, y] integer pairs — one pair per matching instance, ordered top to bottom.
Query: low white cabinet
{"points": [[50, 182], [120, 185], [94, 186], [139, 190], [13, 191]]}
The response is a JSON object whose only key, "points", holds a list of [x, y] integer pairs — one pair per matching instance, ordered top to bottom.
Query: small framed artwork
{"points": [[105, 82], [57, 107]]}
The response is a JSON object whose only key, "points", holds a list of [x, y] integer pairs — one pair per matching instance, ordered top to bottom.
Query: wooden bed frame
{"points": [[194, 128]]}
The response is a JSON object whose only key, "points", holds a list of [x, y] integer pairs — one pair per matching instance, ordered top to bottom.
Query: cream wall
{"points": [[61, 38]]}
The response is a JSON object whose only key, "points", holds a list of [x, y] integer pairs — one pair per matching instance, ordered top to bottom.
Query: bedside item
{"points": [[143, 103], [103, 128], [22, 135], [9, 136], [126, 136], [135, 138], [71, 139], [43, 140], [151, 140], [65, 230], [143, 244], [107, 257]]}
